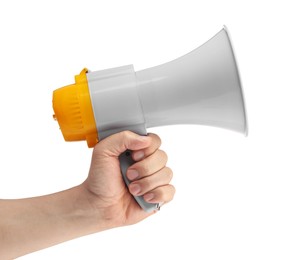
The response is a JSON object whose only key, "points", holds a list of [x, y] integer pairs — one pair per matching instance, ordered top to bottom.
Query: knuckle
{"points": [[128, 133], [123, 135], [156, 139], [163, 155], [144, 168], [169, 173], [145, 184], [173, 189], [171, 192], [162, 193]]}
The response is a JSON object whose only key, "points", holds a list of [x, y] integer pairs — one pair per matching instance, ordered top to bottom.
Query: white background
{"points": [[237, 198]]}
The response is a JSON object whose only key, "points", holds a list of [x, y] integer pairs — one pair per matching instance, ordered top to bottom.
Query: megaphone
{"points": [[202, 87]]}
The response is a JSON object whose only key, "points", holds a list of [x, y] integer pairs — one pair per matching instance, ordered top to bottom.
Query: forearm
{"points": [[28, 225]]}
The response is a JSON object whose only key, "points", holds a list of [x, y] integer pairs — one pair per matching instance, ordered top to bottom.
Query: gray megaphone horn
{"points": [[202, 87]]}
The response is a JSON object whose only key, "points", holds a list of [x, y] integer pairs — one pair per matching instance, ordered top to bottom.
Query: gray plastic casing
{"points": [[202, 87]]}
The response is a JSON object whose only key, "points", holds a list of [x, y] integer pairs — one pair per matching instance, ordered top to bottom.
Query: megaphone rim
{"points": [[246, 131]]}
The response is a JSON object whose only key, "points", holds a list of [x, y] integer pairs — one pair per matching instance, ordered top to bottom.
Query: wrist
{"points": [[85, 210], [103, 215]]}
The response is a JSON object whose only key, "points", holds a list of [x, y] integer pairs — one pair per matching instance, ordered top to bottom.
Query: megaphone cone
{"points": [[202, 87]]}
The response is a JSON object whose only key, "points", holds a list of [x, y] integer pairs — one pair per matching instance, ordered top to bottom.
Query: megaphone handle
{"points": [[125, 162]]}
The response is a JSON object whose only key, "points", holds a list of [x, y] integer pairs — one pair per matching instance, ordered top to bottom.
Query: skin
{"points": [[101, 202]]}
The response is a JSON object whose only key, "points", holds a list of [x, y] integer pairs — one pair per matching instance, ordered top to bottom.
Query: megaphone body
{"points": [[201, 87]]}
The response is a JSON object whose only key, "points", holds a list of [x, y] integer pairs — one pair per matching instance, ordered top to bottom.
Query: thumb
{"points": [[118, 143]]}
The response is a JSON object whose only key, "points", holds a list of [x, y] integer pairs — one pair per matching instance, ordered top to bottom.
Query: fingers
{"points": [[154, 145], [147, 166], [149, 175], [160, 178], [155, 187], [161, 194]]}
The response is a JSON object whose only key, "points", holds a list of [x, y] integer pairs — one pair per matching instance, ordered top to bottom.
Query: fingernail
{"points": [[138, 155], [132, 174], [135, 189], [149, 196]]}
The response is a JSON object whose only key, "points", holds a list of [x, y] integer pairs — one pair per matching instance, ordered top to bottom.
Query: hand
{"points": [[149, 175], [99, 203]]}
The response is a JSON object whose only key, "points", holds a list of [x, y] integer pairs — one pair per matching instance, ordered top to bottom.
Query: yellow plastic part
{"points": [[73, 111]]}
